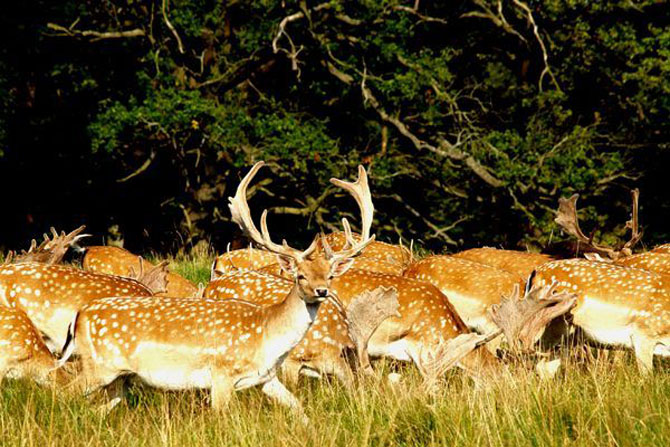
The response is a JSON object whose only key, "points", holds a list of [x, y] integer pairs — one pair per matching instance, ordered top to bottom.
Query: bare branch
{"points": [[171, 27], [96, 35], [545, 55]]}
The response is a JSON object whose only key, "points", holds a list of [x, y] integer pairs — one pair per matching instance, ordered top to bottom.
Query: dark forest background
{"points": [[138, 117]]}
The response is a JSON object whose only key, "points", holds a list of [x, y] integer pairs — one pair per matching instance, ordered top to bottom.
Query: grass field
{"points": [[605, 402]]}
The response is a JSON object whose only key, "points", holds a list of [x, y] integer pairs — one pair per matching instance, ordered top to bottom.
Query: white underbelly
{"points": [[471, 310], [605, 323], [397, 350], [177, 379]]}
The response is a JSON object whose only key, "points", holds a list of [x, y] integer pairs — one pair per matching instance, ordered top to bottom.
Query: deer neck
{"points": [[288, 322]]}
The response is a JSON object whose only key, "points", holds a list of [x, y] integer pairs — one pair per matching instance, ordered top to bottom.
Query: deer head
{"points": [[566, 218], [311, 270]]}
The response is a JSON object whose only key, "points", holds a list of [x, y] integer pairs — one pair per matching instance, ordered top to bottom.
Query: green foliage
{"points": [[462, 122]]}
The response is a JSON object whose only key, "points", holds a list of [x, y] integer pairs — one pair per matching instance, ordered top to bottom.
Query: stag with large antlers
{"points": [[616, 306], [222, 345]]}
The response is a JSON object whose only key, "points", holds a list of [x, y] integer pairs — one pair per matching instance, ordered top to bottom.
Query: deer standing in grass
{"points": [[617, 305], [221, 345]]}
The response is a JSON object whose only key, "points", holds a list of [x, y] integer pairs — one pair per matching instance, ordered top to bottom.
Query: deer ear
{"points": [[287, 264], [341, 266]]}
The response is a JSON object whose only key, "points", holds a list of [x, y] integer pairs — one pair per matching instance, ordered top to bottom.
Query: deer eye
{"points": [[301, 277]]}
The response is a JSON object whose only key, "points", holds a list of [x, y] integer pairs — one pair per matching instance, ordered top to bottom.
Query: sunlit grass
{"points": [[597, 403]]}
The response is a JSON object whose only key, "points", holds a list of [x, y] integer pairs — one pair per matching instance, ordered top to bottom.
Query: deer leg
{"points": [[644, 353], [291, 371], [341, 371], [221, 392], [278, 392], [114, 394]]}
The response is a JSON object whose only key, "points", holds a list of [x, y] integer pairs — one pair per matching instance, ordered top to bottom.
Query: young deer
{"points": [[118, 261], [519, 262], [470, 286], [51, 295], [617, 306], [223, 345], [23, 353]]}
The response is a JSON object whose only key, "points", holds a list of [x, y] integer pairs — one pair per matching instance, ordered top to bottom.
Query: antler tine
{"points": [[360, 190], [241, 215], [566, 218], [633, 224]]}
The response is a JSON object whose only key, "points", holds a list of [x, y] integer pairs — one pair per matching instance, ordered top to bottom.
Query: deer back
{"points": [[665, 248], [388, 253], [244, 259], [118, 261], [519, 262], [657, 262], [472, 287], [51, 294], [610, 294]]}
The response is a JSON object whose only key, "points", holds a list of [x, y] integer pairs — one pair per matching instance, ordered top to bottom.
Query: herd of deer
{"points": [[323, 311]]}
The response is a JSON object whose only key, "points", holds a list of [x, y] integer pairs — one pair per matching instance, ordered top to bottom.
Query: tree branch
{"points": [[171, 27], [96, 35]]}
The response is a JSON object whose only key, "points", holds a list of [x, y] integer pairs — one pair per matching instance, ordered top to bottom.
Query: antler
{"points": [[360, 190], [241, 215], [567, 218], [633, 225], [51, 250], [155, 277], [365, 313], [523, 320], [449, 352]]}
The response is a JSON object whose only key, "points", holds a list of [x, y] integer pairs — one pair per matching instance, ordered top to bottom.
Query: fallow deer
{"points": [[118, 261], [520, 262], [471, 287], [51, 295], [617, 306], [222, 345], [323, 349], [23, 353]]}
